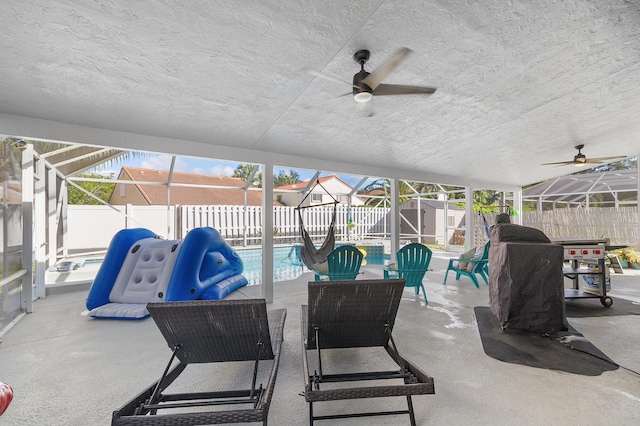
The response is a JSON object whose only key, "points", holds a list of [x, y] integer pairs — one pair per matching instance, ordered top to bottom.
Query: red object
{"points": [[6, 395]]}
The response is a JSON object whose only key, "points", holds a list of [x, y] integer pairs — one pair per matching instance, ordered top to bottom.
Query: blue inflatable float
{"points": [[140, 267]]}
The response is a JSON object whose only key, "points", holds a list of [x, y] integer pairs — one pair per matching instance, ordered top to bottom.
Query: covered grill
{"points": [[526, 284]]}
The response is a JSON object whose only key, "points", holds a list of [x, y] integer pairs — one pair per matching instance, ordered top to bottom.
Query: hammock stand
{"points": [[309, 254]]}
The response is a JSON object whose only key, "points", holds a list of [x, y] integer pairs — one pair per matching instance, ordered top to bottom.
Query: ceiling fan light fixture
{"points": [[363, 96], [19, 144], [580, 159]]}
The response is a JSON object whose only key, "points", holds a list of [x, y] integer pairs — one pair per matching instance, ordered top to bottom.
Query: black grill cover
{"points": [[526, 285]]}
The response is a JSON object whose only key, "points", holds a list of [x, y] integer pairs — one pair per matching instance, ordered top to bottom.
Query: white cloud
{"points": [[163, 162], [221, 170], [106, 173]]}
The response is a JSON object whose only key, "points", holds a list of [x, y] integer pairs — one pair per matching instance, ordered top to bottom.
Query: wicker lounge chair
{"points": [[356, 314], [204, 332]]}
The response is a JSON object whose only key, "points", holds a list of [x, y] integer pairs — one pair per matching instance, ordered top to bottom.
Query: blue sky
{"points": [[202, 166]]}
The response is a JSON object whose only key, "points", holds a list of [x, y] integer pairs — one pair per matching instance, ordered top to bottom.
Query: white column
{"points": [[517, 206], [39, 207], [63, 216], [419, 216], [395, 217], [52, 218], [267, 232], [469, 238], [26, 295]]}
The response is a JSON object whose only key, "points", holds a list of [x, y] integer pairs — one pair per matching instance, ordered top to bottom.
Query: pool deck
{"points": [[69, 369]]}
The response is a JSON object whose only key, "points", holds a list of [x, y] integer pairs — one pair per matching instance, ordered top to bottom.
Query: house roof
{"points": [[302, 185], [208, 191], [436, 204]]}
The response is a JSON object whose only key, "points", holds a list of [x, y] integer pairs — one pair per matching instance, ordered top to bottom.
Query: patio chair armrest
{"points": [[476, 260], [411, 271], [304, 312], [276, 320]]}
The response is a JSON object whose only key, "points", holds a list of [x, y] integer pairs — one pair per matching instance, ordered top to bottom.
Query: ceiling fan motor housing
{"points": [[361, 93], [580, 158]]}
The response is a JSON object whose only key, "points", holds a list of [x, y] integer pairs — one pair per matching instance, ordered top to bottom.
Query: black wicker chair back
{"points": [[356, 314], [227, 330], [210, 331]]}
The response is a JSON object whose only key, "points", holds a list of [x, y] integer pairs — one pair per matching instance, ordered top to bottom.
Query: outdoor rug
{"points": [[580, 308], [567, 351]]}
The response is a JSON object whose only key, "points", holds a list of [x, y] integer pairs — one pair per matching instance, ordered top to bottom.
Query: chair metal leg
{"points": [[412, 416]]}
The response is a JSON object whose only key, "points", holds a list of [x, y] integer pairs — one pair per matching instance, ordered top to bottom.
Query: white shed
{"points": [[433, 220]]}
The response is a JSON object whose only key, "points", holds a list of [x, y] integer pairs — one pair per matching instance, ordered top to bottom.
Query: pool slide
{"points": [[141, 267]]}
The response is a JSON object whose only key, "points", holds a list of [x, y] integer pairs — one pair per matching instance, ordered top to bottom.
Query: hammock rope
{"points": [[309, 253]]}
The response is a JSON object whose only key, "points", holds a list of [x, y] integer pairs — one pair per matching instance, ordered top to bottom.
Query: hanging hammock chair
{"points": [[309, 253]]}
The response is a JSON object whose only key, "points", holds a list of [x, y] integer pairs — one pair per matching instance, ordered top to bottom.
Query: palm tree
{"points": [[244, 171], [286, 178], [379, 191]]}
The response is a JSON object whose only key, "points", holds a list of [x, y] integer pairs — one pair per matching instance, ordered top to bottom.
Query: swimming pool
{"points": [[287, 264]]}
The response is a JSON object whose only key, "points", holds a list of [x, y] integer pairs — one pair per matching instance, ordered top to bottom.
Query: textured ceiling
{"points": [[520, 83]]}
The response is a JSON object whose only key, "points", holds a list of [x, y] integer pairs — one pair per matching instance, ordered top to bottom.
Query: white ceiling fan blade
{"points": [[328, 77], [376, 77], [397, 89], [337, 97], [315, 104], [617, 157], [600, 160], [558, 163]]}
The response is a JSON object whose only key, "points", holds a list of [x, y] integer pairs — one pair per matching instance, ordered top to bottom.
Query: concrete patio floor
{"points": [[69, 369]]}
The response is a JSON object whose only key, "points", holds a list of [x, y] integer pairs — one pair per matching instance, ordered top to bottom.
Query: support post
{"points": [[517, 206], [395, 217], [52, 218], [267, 232], [469, 237], [40, 240], [26, 295]]}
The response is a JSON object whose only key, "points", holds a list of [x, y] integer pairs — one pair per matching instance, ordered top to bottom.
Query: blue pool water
{"points": [[287, 264]]}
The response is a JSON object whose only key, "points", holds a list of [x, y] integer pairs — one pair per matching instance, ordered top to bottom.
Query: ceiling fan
{"points": [[367, 85], [580, 159]]}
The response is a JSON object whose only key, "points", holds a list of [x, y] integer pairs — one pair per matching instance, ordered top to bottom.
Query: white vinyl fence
{"points": [[240, 226], [93, 227]]}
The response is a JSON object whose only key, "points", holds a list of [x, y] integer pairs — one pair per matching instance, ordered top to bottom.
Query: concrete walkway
{"points": [[69, 369]]}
